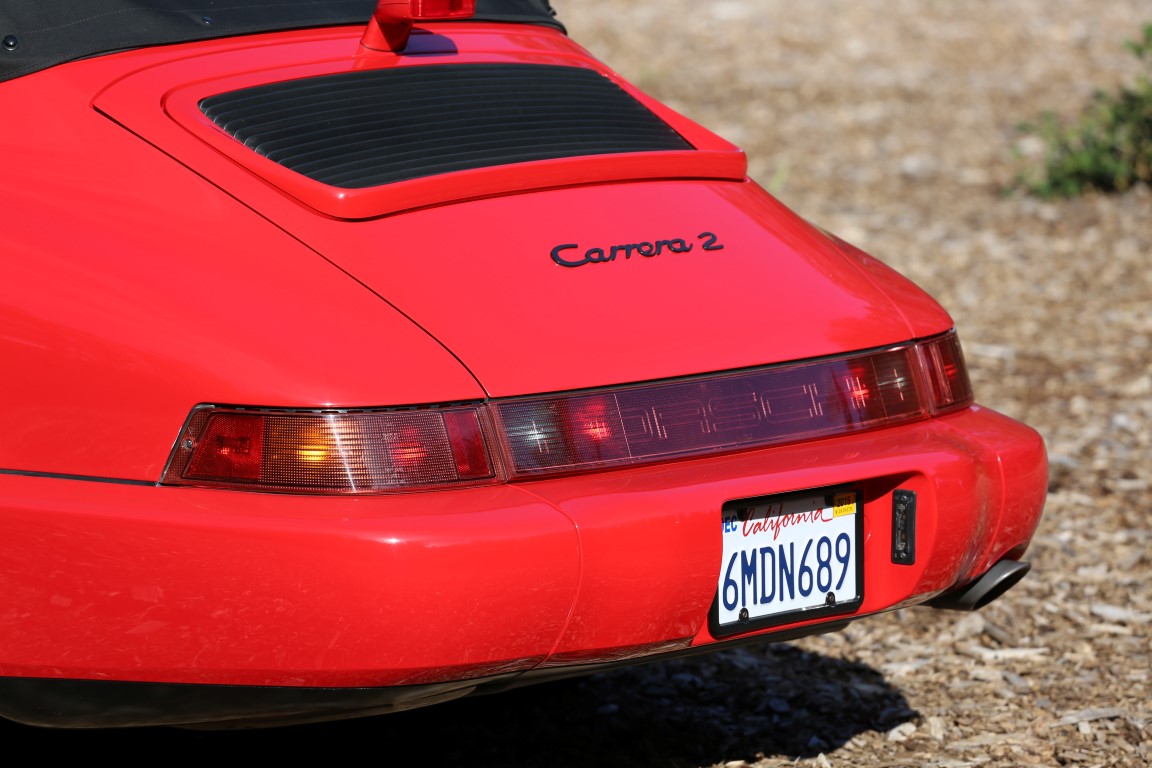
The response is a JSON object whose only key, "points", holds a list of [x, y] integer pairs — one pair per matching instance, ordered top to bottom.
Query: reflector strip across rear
{"points": [[363, 129]]}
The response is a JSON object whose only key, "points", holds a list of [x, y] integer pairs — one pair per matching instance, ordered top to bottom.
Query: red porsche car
{"points": [[359, 356]]}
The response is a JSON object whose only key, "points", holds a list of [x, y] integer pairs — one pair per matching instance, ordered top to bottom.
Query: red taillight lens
{"points": [[443, 9], [947, 373], [231, 446], [469, 449], [347, 452]]}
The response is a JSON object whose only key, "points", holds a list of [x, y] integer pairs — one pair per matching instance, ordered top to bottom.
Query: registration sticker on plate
{"points": [[789, 558]]}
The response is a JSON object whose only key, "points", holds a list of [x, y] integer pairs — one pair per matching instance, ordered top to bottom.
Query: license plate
{"points": [[789, 558]]}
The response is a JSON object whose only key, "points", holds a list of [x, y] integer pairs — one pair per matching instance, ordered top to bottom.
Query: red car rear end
{"points": [[347, 372]]}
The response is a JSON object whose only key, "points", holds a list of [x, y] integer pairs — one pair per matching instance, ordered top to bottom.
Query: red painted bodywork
{"points": [[152, 264], [211, 586]]}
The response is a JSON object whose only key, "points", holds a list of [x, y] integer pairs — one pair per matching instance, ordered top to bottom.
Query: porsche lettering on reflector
{"points": [[788, 558]]}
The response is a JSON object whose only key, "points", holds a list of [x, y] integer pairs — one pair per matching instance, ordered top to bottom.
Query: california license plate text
{"points": [[789, 555]]}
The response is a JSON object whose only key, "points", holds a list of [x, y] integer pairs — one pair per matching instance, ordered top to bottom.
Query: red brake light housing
{"points": [[443, 9], [391, 24], [367, 451]]}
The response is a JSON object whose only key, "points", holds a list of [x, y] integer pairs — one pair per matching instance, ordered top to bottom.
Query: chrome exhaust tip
{"points": [[976, 594]]}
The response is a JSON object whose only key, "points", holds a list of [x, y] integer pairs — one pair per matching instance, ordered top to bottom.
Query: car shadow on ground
{"points": [[773, 700]]}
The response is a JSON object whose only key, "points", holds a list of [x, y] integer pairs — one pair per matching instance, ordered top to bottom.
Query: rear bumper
{"points": [[429, 595]]}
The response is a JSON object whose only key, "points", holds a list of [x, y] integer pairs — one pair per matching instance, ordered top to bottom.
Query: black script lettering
{"points": [[709, 241], [648, 248], [627, 249], [556, 257]]}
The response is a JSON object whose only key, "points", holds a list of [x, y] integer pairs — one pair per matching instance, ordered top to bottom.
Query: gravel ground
{"points": [[892, 124]]}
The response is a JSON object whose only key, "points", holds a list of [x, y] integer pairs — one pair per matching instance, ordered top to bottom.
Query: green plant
{"points": [[1109, 148]]}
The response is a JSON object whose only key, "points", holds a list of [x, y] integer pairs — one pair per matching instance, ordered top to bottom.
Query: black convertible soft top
{"points": [[37, 34]]}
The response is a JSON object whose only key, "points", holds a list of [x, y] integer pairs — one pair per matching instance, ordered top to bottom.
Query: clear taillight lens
{"points": [[379, 451]]}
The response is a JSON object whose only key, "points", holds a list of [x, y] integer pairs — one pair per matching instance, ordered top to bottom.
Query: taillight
{"points": [[947, 373], [390, 450], [342, 452]]}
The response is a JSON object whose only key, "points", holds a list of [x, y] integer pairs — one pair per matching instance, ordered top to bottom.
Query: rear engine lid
{"points": [[356, 134], [597, 238]]}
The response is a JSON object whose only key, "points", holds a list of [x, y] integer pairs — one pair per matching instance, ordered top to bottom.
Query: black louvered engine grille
{"points": [[364, 129]]}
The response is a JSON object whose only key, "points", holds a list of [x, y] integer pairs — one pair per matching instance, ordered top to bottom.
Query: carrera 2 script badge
{"points": [[708, 241]]}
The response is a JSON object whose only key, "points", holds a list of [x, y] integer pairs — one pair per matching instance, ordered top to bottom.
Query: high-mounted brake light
{"points": [[391, 24], [383, 450]]}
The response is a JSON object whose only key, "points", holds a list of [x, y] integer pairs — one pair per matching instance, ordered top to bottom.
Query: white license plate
{"points": [[789, 558]]}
